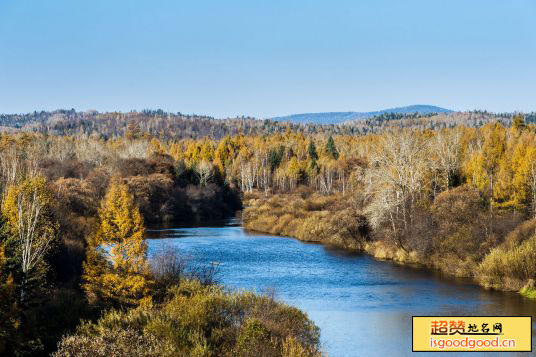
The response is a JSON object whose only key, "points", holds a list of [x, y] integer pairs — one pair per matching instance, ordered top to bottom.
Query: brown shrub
{"points": [[133, 167], [153, 196], [458, 206], [315, 218], [521, 233], [112, 343]]}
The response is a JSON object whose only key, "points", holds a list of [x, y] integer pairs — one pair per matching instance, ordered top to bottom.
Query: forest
{"points": [[172, 126], [79, 191]]}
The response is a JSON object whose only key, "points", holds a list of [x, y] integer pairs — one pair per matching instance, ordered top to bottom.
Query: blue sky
{"points": [[266, 58]]}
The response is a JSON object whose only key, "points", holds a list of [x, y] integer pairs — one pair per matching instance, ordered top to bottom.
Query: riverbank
{"points": [[311, 218], [317, 218], [453, 244]]}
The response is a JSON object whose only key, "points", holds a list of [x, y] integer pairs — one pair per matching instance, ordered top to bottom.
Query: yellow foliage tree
{"points": [[518, 122], [157, 147], [226, 151], [483, 164], [474, 170], [293, 171], [524, 180], [504, 191], [26, 208], [116, 267]]}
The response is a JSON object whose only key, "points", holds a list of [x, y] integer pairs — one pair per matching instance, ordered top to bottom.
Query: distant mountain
{"points": [[341, 117]]}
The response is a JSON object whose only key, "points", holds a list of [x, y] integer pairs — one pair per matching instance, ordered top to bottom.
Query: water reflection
{"points": [[362, 306]]}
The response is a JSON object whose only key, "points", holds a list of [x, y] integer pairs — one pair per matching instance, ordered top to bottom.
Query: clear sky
{"points": [[266, 58]]}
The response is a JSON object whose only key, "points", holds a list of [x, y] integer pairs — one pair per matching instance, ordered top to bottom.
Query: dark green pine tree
{"points": [[331, 149], [312, 151]]}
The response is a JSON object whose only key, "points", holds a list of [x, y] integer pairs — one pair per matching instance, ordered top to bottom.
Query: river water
{"points": [[362, 306]]}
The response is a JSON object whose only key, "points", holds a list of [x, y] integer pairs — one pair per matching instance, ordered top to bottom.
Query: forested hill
{"points": [[341, 117], [167, 126]]}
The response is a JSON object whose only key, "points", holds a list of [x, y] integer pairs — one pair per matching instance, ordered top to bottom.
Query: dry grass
{"points": [[309, 217], [386, 251], [510, 265], [529, 290]]}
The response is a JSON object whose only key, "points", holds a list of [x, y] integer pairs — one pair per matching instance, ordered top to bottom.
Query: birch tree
{"points": [[447, 156], [205, 171], [395, 178], [26, 208]]}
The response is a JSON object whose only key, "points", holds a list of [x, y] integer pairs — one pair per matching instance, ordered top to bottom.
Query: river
{"points": [[362, 306]]}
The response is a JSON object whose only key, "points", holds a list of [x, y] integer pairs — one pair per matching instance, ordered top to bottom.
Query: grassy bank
{"points": [[310, 217], [455, 234]]}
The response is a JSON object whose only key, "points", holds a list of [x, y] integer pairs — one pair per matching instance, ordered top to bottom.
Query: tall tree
{"points": [[518, 122], [331, 149], [311, 150], [447, 159], [484, 163], [395, 180], [524, 180], [32, 229], [116, 268]]}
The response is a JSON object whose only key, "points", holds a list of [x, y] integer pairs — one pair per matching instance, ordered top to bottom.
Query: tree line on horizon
{"points": [[169, 126]]}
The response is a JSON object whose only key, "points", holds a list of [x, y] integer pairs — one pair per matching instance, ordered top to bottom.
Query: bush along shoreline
{"points": [[456, 235], [198, 320]]}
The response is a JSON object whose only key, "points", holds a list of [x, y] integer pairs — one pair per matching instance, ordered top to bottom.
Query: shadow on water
{"points": [[166, 229], [363, 306]]}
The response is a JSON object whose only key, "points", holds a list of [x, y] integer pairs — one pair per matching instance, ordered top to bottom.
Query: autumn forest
{"points": [[454, 193]]}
